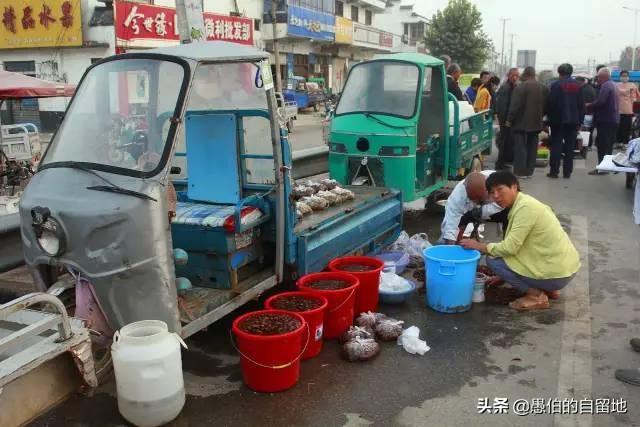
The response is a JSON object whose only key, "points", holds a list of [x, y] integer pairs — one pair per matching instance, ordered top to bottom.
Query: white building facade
{"points": [[408, 27]]}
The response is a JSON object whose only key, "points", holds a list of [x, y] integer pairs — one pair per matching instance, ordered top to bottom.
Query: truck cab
{"points": [[396, 126]]}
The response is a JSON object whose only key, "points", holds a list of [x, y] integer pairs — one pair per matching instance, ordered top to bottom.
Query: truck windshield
{"points": [[381, 87], [119, 120]]}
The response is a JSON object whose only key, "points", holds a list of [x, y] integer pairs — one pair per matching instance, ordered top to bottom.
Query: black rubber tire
{"points": [[290, 126]]}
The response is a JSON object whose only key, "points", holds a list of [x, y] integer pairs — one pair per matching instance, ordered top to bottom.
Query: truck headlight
{"points": [[49, 233]]}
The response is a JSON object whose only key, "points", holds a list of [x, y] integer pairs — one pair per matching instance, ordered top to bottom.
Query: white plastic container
{"points": [[478, 288], [148, 368]]}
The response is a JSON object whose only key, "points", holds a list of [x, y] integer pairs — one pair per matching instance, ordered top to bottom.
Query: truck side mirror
{"points": [[175, 170]]}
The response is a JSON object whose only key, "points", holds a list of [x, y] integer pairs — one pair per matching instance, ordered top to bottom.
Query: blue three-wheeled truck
{"points": [[180, 148]]}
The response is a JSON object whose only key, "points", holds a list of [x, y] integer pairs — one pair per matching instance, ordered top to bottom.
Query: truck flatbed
{"points": [[364, 195], [370, 221]]}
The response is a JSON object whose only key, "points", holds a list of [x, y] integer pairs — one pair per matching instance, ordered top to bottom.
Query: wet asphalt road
{"points": [[569, 351]]}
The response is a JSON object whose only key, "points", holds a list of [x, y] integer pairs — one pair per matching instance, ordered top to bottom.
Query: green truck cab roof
{"points": [[416, 58]]}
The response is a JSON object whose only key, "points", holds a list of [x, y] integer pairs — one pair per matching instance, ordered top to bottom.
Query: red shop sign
{"points": [[143, 25], [386, 39]]}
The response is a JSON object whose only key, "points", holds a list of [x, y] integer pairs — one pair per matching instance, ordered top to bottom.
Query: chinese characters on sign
{"points": [[45, 16], [67, 17], [27, 18], [9, 19], [40, 23], [311, 24], [142, 25], [220, 29], [344, 30], [386, 39], [539, 406]]}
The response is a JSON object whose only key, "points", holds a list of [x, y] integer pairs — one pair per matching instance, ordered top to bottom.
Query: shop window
{"points": [[339, 8], [354, 13], [368, 17], [24, 67]]}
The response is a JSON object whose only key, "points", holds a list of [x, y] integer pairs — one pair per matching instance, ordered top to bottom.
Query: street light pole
{"points": [[635, 33], [511, 51], [502, 58]]}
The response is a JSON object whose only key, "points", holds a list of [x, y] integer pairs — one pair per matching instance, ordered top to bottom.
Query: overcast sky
{"points": [[559, 30]]}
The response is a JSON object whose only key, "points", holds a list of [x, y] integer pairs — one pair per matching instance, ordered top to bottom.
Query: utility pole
{"points": [[190, 20], [183, 24], [635, 34], [276, 47], [511, 51], [502, 58]]}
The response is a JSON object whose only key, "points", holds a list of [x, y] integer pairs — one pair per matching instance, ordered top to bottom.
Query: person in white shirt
{"points": [[469, 200]]}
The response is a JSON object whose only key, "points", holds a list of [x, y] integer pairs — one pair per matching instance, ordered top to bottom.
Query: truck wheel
{"points": [[315, 108], [290, 126], [476, 165], [102, 362]]}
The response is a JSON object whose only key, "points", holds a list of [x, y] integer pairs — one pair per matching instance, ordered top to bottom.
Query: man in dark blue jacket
{"points": [[565, 113]]}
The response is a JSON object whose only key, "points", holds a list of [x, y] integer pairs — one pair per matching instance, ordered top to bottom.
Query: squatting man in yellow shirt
{"points": [[536, 256]]}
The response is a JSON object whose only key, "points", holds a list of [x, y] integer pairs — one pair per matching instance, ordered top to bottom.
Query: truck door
{"points": [[431, 128]]}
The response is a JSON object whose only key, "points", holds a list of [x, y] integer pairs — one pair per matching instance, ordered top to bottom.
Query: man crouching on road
{"points": [[469, 203], [536, 256]]}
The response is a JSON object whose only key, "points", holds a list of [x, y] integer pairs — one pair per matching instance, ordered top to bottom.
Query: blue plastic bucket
{"points": [[451, 274]]}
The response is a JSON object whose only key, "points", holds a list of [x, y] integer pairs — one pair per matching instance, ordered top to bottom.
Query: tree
{"points": [[457, 31], [626, 57]]}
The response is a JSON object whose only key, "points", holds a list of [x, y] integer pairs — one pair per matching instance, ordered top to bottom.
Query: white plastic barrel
{"points": [[148, 368]]}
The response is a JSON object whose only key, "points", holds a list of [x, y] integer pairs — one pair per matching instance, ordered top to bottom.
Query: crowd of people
{"points": [[526, 110], [536, 256]]}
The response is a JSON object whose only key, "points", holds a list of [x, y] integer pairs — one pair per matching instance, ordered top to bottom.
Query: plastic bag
{"points": [[329, 183], [317, 187], [300, 191], [347, 194], [328, 196], [340, 198], [316, 203], [303, 208], [401, 244], [417, 244], [391, 282], [369, 319], [389, 329], [357, 332], [411, 342], [360, 349]]}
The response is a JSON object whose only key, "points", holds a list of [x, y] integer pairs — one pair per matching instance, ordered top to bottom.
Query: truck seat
{"points": [[213, 216]]}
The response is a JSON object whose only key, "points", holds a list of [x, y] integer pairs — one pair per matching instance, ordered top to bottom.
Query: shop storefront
{"points": [[40, 38]]}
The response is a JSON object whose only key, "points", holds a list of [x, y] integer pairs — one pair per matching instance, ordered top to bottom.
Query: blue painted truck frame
{"points": [[213, 255]]}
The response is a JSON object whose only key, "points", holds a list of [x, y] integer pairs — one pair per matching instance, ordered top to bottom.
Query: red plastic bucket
{"points": [[367, 295], [340, 311], [314, 318], [270, 363]]}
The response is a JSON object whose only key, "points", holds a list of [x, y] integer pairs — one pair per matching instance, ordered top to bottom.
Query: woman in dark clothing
{"points": [[494, 83]]}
